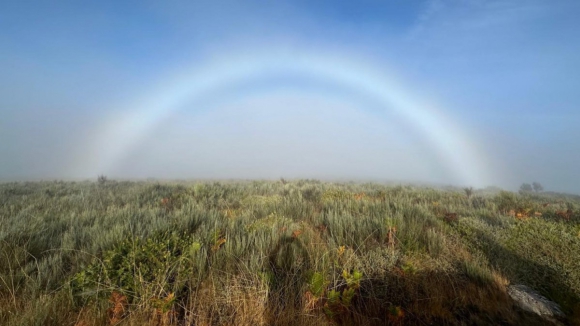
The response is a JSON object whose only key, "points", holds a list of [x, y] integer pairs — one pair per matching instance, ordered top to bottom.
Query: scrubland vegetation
{"points": [[281, 253]]}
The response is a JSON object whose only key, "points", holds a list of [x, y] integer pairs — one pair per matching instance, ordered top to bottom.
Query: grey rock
{"points": [[532, 301]]}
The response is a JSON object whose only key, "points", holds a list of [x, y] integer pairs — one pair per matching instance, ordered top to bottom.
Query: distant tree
{"points": [[102, 179], [537, 186], [526, 188], [468, 191]]}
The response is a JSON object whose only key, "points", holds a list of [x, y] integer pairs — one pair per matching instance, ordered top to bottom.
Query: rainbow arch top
{"points": [[452, 146]]}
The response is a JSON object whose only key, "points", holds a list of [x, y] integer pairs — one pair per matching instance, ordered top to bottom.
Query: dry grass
{"points": [[280, 253]]}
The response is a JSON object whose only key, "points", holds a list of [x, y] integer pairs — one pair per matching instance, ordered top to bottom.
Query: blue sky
{"points": [[503, 74]]}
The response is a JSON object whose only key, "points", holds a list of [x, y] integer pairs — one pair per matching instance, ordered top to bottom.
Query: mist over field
{"points": [[468, 93], [289, 162]]}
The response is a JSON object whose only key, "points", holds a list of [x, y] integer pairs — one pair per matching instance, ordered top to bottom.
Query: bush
{"points": [[101, 179], [163, 263]]}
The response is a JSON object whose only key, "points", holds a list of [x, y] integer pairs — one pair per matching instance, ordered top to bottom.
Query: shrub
{"points": [[101, 179], [468, 191], [138, 267]]}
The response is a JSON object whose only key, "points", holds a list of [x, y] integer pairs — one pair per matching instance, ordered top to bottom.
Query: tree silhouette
{"points": [[537, 186], [526, 188], [468, 191]]}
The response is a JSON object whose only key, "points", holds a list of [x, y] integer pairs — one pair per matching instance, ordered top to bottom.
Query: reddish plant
{"points": [[359, 196], [566, 215], [451, 217], [296, 233], [391, 237], [118, 308], [396, 315]]}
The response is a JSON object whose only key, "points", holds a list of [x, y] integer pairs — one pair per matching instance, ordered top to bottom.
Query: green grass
{"points": [[284, 253]]}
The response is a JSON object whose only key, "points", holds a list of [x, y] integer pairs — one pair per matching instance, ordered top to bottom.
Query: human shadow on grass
{"points": [[289, 263], [395, 298]]}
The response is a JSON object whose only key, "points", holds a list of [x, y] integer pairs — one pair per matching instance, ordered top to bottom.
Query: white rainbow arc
{"points": [[452, 145]]}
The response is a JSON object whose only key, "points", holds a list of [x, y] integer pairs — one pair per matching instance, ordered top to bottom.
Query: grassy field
{"points": [[280, 253]]}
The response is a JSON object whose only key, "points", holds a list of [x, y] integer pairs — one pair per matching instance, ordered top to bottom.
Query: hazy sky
{"points": [[465, 92]]}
